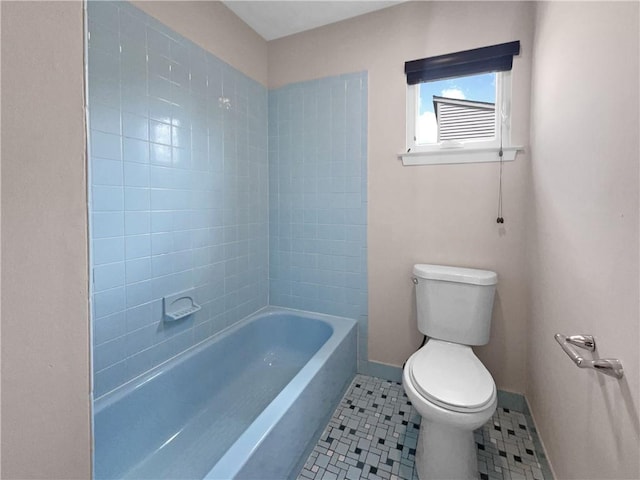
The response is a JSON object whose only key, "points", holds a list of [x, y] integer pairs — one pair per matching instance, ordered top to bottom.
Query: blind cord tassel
{"points": [[500, 218]]}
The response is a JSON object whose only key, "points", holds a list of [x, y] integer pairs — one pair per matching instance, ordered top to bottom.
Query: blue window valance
{"points": [[495, 58]]}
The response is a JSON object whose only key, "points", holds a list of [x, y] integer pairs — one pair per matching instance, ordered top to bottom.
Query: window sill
{"points": [[460, 155]]}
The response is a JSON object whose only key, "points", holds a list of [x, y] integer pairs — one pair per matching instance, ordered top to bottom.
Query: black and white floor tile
{"points": [[374, 431]]}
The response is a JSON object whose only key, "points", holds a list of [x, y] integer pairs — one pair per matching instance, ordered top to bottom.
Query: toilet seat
{"points": [[451, 376]]}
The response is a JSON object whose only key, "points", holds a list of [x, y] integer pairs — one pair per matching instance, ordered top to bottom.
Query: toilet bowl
{"points": [[447, 384], [454, 394]]}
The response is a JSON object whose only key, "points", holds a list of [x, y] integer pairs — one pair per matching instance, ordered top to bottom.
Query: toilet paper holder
{"points": [[608, 366]]}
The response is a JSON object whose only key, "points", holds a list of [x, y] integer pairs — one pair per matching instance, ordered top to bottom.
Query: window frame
{"points": [[496, 59], [502, 121]]}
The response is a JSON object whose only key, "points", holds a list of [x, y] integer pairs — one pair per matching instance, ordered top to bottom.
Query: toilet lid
{"points": [[451, 376]]}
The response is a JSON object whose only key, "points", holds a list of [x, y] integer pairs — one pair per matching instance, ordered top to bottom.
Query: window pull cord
{"points": [[500, 218]]}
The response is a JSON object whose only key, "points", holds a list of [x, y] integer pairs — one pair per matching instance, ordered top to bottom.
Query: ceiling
{"points": [[276, 19]]}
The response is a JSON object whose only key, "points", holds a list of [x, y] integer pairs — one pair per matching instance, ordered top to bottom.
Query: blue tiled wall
{"points": [[179, 191], [318, 198]]}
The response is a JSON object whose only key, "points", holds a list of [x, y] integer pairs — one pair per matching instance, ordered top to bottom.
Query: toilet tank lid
{"points": [[455, 274]]}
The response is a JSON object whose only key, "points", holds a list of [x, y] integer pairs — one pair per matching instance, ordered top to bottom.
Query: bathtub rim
{"points": [[115, 395]]}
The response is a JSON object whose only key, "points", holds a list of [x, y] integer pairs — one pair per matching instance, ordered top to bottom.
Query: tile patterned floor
{"points": [[373, 435]]}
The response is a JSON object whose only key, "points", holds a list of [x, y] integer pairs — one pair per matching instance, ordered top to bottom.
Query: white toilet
{"points": [[446, 383]]}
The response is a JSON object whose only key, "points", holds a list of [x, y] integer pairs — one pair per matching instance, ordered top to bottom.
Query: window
{"points": [[460, 104], [456, 110]]}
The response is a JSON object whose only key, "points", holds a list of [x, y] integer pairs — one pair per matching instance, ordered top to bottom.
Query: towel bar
{"points": [[608, 366]]}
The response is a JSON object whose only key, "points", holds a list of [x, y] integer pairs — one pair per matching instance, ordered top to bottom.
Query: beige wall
{"points": [[217, 29], [429, 214], [583, 220], [0, 254], [45, 322]]}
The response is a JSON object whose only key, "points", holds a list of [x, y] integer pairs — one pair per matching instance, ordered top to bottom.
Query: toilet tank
{"points": [[455, 304]]}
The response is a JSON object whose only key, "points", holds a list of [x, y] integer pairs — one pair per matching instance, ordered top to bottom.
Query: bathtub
{"points": [[247, 403]]}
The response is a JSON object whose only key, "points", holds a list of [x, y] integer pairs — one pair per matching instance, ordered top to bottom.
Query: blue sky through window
{"points": [[480, 88]]}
